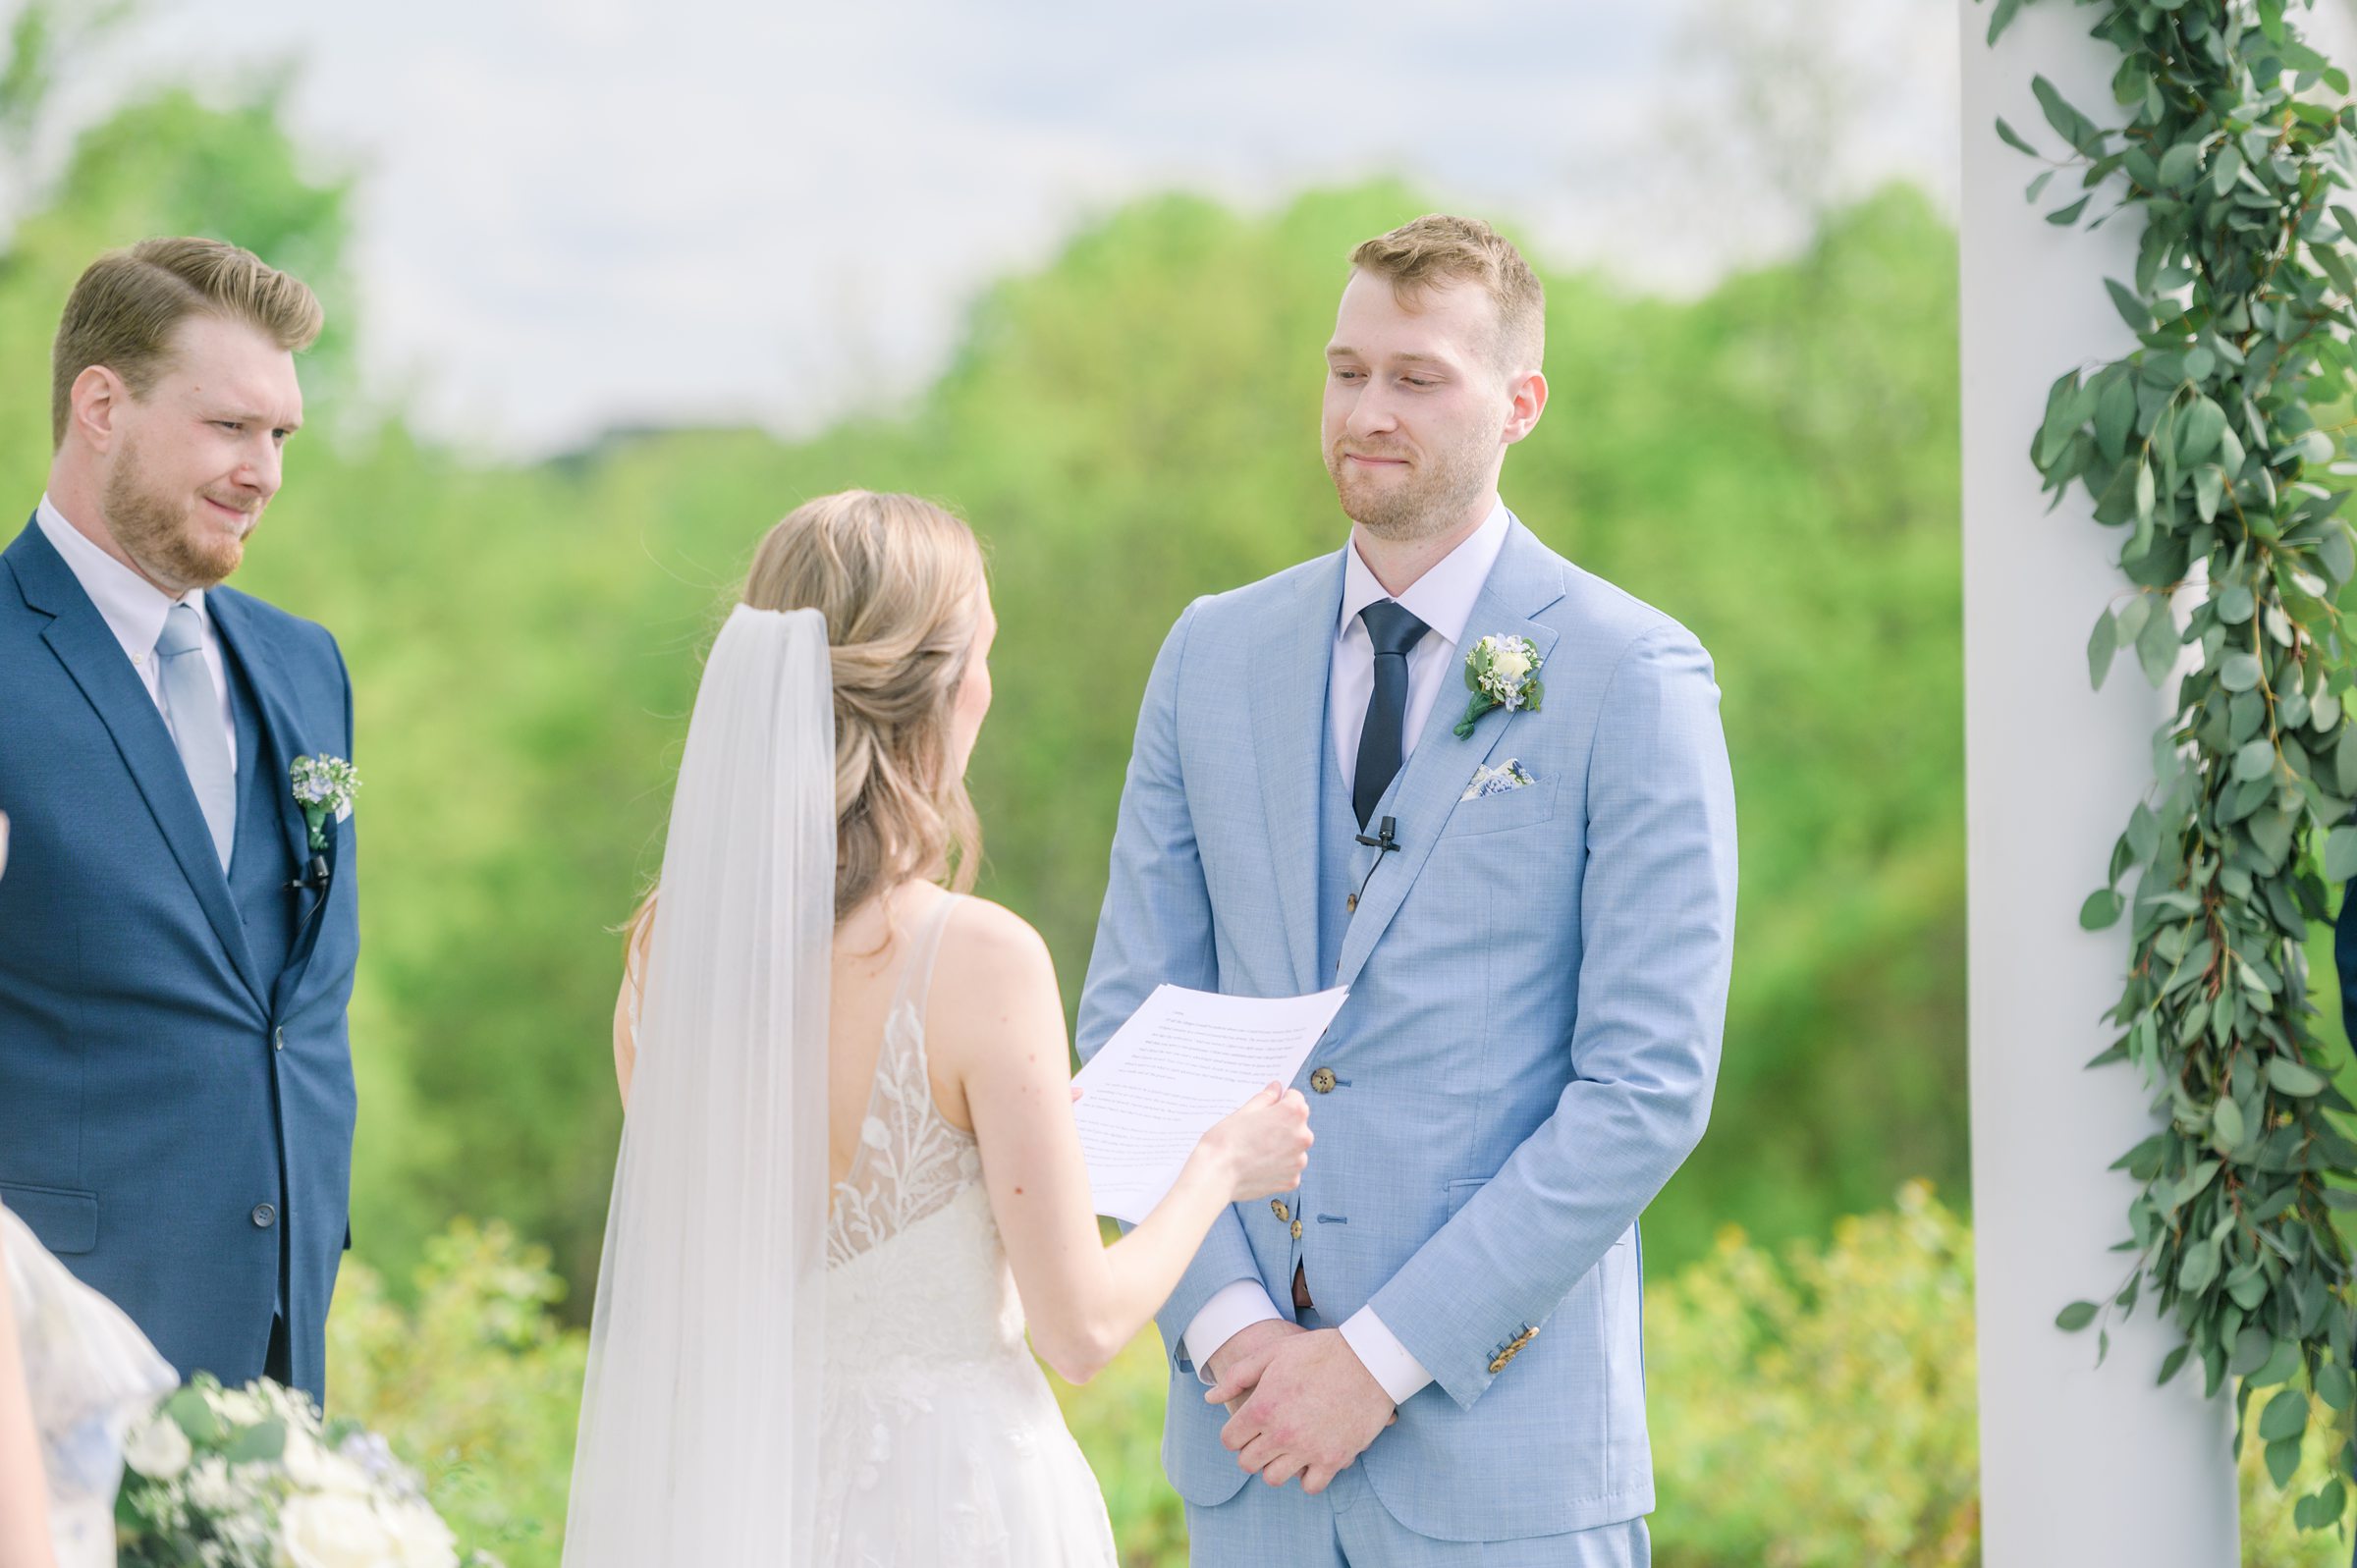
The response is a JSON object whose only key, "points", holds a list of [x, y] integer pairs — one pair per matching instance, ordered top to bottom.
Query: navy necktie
{"points": [[1393, 630]]}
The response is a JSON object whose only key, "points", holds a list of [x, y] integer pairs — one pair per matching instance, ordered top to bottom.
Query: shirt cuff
{"points": [[1231, 1309], [1378, 1349]]}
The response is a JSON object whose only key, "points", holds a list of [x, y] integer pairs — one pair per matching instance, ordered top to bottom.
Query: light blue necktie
{"points": [[195, 708]]}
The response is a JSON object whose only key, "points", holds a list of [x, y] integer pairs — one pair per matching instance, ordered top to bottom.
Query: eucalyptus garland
{"points": [[2201, 447]]}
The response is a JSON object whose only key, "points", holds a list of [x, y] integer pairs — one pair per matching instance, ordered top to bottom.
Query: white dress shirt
{"points": [[1443, 599], [133, 609]]}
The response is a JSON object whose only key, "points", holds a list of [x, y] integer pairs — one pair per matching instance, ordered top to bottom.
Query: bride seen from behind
{"points": [[958, 1204]]}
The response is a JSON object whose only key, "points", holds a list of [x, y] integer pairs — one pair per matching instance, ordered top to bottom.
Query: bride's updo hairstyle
{"points": [[900, 583]]}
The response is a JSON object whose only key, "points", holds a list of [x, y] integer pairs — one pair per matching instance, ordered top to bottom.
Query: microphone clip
{"points": [[1382, 843]]}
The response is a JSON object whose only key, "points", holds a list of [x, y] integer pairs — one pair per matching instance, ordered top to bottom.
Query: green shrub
{"points": [[477, 1385], [1812, 1407], [1817, 1409]]}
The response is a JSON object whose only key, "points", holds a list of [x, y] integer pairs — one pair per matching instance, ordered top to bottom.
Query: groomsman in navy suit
{"points": [[177, 936]]}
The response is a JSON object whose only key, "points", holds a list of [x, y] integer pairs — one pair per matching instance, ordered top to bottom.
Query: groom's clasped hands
{"points": [[1301, 1403]]}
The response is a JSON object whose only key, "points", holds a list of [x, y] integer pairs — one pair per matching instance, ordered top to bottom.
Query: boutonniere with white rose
{"points": [[1501, 673], [323, 788]]}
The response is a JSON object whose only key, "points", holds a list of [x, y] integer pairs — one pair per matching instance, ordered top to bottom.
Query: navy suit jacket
{"points": [[175, 1114]]}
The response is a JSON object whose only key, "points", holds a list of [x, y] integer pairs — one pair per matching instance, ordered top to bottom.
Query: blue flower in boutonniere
{"points": [[1501, 673], [323, 788]]}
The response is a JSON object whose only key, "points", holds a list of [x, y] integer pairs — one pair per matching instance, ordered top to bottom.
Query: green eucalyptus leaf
{"points": [[2132, 309], [2198, 436], [2102, 644], [2157, 646], [2239, 673], [2340, 851], [2101, 909], [2294, 1077], [2226, 1123], [2075, 1317], [2285, 1416]]}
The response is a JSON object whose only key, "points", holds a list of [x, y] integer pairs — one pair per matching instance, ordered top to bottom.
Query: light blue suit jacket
{"points": [[1538, 985]]}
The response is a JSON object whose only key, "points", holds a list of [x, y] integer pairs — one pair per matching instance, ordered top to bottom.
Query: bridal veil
{"points": [[699, 1416]]}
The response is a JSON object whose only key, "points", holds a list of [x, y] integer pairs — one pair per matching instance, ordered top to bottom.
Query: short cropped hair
{"points": [[1439, 248], [127, 304]]}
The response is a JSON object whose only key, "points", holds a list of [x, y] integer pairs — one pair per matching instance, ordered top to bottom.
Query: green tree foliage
{"points": [[1131, 426]]}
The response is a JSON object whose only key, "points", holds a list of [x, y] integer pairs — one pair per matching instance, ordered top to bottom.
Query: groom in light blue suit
{"points": [[1530, 892]]}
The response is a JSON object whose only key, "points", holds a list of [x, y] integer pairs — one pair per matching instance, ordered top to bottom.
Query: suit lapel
{"points": [[1526, 580], [78, 636], [1291, 665], [282, 741]]}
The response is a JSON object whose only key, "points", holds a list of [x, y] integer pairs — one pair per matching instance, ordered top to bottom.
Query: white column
{"points": [[2078, 1465]]}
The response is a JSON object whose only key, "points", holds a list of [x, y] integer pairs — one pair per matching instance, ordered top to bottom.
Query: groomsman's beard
{"points": [[1433, 498], [183, 542]]}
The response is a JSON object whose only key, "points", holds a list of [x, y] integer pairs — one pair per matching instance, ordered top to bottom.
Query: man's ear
{"points": [[96, 401], [1529, 402]]}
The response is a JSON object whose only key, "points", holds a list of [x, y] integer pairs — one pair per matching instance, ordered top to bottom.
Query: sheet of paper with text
{"points": [[1184, 1060]]}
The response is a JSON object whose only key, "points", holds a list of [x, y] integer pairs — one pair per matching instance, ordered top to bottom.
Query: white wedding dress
{"points": [[90, 1373], [940, 1442]]}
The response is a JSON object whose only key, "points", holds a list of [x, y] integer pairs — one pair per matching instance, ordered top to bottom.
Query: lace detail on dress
{"points": [[911, 1161], [943, 1445]]}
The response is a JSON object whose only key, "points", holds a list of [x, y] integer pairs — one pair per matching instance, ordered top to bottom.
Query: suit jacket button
{"points": [[278, 1040], [1322, 1080], [1277, 1207], [264, 1216], [1297, 1231], [1498, 1365]]}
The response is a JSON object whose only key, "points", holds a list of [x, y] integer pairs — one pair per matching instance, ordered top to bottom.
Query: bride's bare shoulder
{"points": [[993, 949], [995, 972]]}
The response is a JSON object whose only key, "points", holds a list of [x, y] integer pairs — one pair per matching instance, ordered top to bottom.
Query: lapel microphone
{"points": [[1382, 843], [316, 876]]}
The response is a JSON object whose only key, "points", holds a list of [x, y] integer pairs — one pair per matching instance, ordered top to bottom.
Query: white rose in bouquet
{"points": [[157, 1448], [315, 1468], [330, 1529], [421, 1539]]}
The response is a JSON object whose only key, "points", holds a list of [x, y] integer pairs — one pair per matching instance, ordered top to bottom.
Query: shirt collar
{"points": [[1444, 597], [133, 608]]}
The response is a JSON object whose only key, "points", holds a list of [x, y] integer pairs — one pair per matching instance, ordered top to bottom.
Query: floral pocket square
{"points": [[1508, 774]]}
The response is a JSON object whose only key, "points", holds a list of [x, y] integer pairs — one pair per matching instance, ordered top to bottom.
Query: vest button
{"points": [[278, 1040], [1322, 1080], [1277, 1207], [264, 1216], [1297, 1231]]}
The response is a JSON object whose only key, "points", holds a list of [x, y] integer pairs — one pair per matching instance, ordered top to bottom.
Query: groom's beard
{"points": [[1434, 497], [177, 541]]}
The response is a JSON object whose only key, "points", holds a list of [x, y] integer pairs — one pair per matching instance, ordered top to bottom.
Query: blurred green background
{"points": [[1130, 425]]}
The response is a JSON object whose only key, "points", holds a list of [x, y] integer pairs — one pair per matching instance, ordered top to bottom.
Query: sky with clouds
{"points": [[574, 214]]}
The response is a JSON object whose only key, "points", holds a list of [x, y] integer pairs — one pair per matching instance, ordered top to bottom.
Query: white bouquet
{"points": [[252, 1478]]}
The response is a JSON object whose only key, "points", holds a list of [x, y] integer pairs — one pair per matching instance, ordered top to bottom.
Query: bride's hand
{"points": [[1262, 1147]]}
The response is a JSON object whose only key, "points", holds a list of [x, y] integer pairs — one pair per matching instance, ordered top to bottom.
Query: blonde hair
{"points": [[1439, 248], [127, 304], [900, 583]]}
